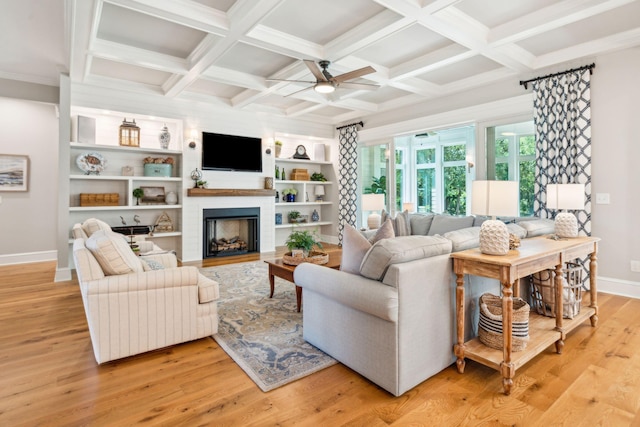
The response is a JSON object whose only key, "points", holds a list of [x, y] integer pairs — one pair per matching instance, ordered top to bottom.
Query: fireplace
{"points": [[230, 231]]}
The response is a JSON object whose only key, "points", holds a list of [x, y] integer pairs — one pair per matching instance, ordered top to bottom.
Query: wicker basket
{"points": [[99, 199], [313, 257], [543, 291], [490, 325]]}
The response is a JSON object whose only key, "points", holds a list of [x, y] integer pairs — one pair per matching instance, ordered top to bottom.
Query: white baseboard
{"points": [[29, 257], [624, 288]]}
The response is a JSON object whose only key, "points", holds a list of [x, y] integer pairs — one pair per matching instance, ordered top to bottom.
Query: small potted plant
{"points": [[278, 145], [318, 176], [201, 184], [138, 193], [289, 194], [294, 217], [302, 240]]}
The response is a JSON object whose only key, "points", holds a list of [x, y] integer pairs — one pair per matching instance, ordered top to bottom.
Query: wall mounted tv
{"points": [[231, 153]]}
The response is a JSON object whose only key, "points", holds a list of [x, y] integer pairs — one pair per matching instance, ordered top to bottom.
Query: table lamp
{"points": [[319, 193], [565, 196], [494, 198], [373, 203], [410, 207]]}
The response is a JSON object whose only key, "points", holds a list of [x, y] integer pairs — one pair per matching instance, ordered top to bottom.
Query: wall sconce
{"points": [[194, 135]]}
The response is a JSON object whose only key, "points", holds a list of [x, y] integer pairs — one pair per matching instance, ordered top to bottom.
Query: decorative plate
{"points": [[91, 163]]}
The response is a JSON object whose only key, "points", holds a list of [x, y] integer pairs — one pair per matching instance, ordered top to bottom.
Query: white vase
{"points": [[164, 137], [171, 198]]}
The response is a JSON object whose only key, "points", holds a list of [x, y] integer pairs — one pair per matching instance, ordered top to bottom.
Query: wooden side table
{"points": [[535, 254]]}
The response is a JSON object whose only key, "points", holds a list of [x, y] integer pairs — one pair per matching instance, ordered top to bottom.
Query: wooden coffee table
{"points": [[285, 271]]}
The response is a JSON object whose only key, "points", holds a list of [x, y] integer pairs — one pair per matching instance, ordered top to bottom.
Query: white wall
{"points": [[28, 219]]}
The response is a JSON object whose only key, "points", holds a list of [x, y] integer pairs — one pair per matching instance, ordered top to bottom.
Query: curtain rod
{"points": [[590, 67], [350, 124]]}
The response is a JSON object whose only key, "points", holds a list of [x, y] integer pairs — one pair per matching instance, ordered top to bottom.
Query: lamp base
{"points": [[373, 221], [566, 225], [494, 238]]}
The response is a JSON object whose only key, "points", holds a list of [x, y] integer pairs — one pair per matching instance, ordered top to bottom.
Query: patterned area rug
{"points": [[263, 335]]}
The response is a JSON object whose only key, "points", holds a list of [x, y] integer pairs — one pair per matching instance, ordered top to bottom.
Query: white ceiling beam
{"points": [[549, 18], [283, 43], [139, 57], [443, 57], [234, 78], [417, 86]]}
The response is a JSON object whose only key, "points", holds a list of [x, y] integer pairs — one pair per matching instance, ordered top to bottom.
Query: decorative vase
{"points": [[164, 137], [278, 150], [290, 197], [171, 198], [315, 216]]}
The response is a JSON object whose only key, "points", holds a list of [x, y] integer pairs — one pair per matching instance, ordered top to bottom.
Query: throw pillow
{"points": [[444, 223], [403, 224], [420, 224], [92, 225], [355, 245], [401, 249], [113, 253], [151, 264]]}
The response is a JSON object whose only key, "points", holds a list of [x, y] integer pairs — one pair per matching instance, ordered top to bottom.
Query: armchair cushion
{"points": [[92, 225], [113, 254]]}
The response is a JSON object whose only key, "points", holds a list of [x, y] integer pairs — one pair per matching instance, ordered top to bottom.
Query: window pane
{"points": [[527, 145], [502, 147], [454, 152], [425, 156], [399, 159], [502, 171], [527, 185], [426, 189], [399, 201], [455, 201]]}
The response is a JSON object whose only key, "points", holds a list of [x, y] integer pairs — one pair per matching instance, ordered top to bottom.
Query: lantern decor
{"points": [[129, 134]]}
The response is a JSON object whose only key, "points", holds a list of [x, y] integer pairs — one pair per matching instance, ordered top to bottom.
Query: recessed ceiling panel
{"points": [[221, 5], [492, 13], [321, 21], [121, 25], [599, 26], [403, 46], [252, 60], [460, 70], [128, 72], [219, 90], [382, 94], [277, 101], [330, 111]]}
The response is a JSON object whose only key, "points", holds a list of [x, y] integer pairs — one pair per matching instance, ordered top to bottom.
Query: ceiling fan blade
{"points": [[315, 70], [354, 74], [293, 81], [358, 86], [298, 91]]}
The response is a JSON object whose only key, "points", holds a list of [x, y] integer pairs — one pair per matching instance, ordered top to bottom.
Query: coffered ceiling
{"points": [[225, 52]]}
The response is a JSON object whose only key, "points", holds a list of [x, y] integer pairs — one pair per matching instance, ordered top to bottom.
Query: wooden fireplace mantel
{"points": [[230, 192]]}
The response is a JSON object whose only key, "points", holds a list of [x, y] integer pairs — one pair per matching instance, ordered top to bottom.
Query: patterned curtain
{"points": [[562, 118], [347, 178]]}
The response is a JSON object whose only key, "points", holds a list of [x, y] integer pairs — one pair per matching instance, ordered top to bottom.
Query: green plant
{"points": [[278, 143], [317, 176], [202, 184], [378, 186], [289, 191], [138, 193], [294, 215], [304, 240]]}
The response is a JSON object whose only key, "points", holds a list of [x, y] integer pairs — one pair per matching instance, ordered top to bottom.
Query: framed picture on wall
{"points": [[14, 172]]}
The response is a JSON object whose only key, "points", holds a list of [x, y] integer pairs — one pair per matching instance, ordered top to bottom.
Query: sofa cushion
{"points": [[444, 223], [402, 224], [420, 224], [92, 225], [538, 227], [518, 231], [465, 238], [355, 245], [401, 249], [113, 253]]}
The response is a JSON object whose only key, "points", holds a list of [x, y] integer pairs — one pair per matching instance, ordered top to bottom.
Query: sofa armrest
{"points": [[167, 259], [148, 280], [355, 291]]}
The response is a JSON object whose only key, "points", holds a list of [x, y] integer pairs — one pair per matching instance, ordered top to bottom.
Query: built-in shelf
{"points": [[230, 192], [303, 203], [122, 208], [304, 224]]}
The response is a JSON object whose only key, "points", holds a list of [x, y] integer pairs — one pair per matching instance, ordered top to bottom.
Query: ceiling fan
{"points": [[326, 83]]}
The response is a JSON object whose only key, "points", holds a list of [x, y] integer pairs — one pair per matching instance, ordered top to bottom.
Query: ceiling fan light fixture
{"points": [[324, 87]]}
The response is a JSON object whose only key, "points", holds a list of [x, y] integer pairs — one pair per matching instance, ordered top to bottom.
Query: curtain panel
{"points": [[562, 119], [347, 178]]}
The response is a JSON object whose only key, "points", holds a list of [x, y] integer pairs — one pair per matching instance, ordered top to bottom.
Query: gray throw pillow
{"points": [[444, 223], [403, 224], [420, 224], [355, 246]]}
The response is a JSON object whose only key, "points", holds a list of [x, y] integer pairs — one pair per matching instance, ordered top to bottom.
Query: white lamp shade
{"points": [[319, 190], [565, 196], [494, 198], [372, 202], [409, 207]]}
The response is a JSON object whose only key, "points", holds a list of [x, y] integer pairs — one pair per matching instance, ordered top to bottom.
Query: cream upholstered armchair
{"points": [[136, 303]]}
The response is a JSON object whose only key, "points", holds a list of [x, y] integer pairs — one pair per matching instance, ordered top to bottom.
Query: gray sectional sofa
{"points": [[393, 321]]}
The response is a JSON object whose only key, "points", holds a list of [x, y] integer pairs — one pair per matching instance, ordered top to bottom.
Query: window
{"points": [[511, 155]]}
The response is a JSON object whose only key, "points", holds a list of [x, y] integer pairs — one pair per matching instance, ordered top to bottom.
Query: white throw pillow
{"points": [[92, 225], [355, 245], [113, 253]]}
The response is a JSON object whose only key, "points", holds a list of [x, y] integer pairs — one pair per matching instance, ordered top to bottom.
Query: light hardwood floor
{"points": [[48, 376]]}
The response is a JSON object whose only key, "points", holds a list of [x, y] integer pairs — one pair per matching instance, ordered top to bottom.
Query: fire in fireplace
{"points": [[231, 231]]}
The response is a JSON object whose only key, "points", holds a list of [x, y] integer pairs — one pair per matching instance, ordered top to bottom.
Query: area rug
{"points": [[263, 335]]}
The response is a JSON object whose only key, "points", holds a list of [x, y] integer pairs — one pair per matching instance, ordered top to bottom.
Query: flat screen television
{"points": [[231, 153]]}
